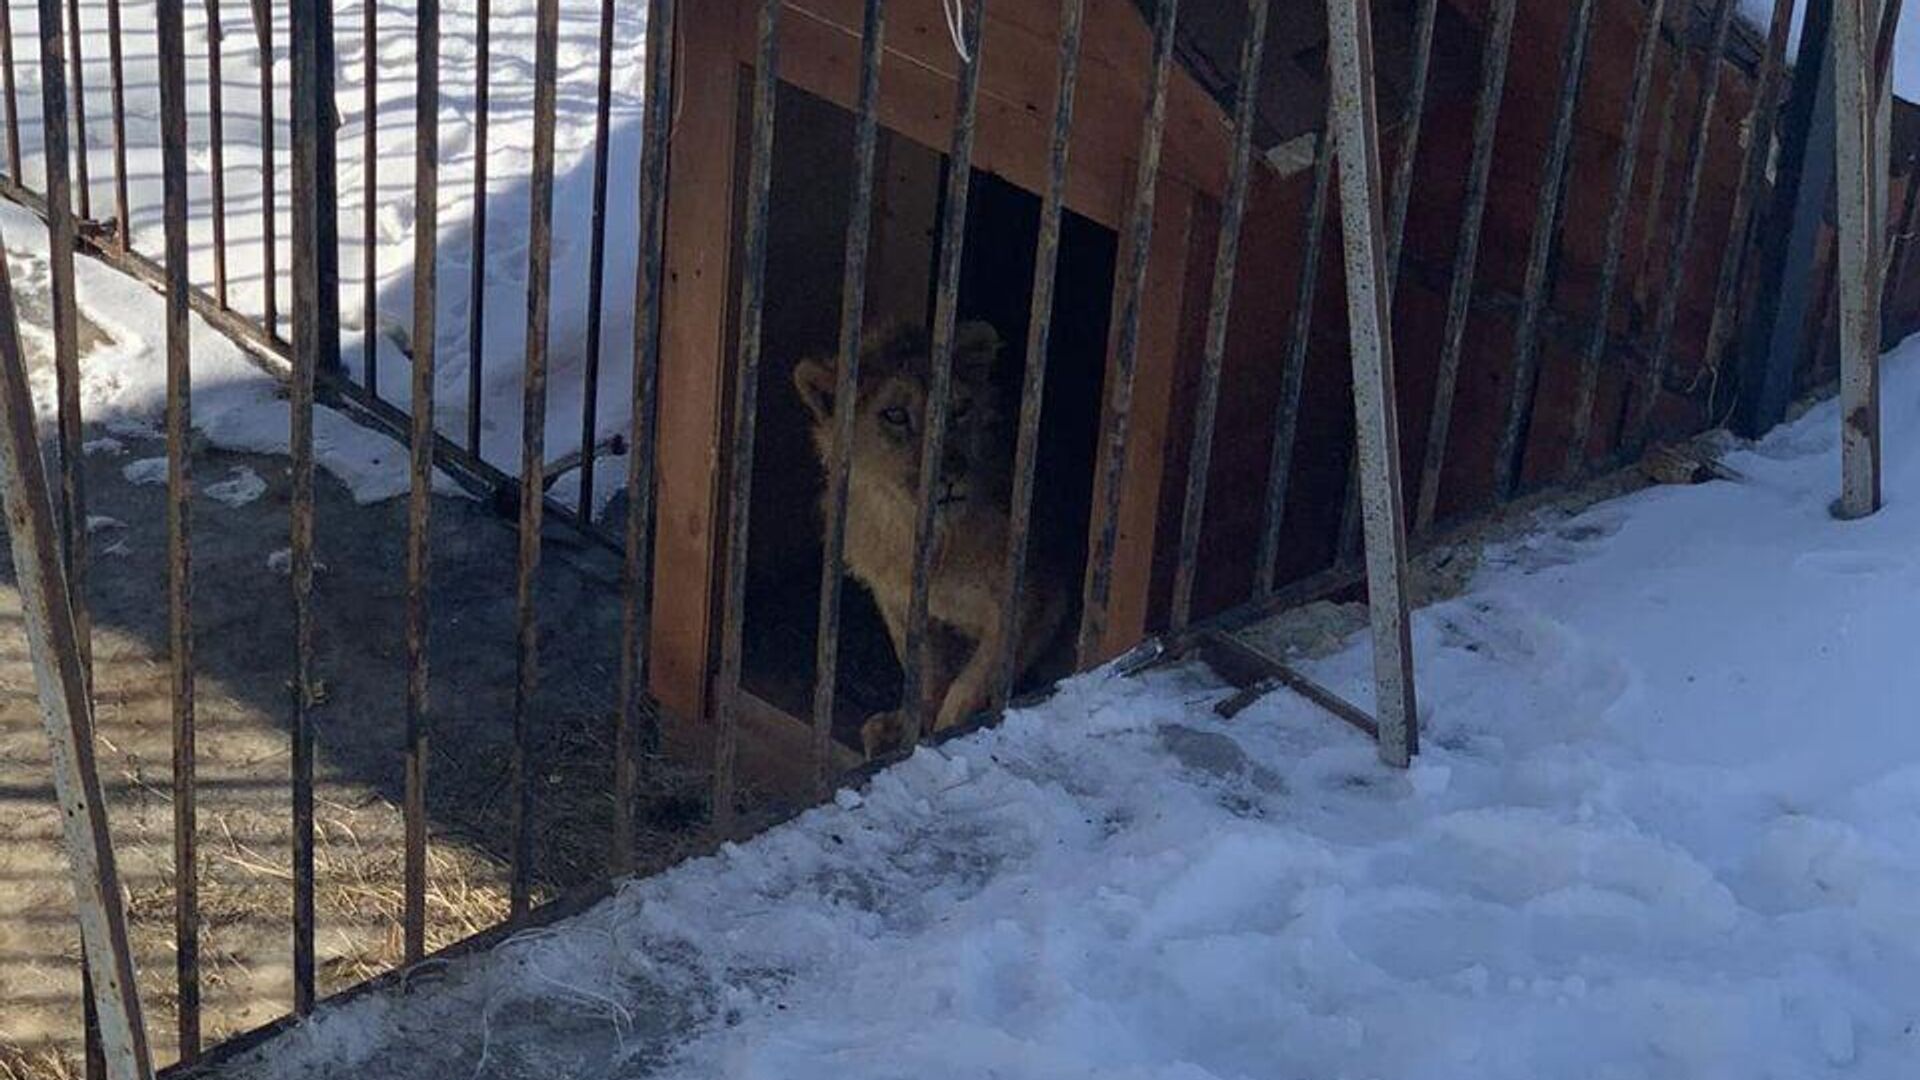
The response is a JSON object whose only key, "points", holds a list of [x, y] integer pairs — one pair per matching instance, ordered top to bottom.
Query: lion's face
{"points": [[890, 414]]}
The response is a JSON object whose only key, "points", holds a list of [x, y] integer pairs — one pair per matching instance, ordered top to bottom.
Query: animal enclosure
{"points": [[1284, 292]]}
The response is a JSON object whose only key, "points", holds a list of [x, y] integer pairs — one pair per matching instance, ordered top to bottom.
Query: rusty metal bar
{"points": [[171, 20], [116, 76], [1493, 81], [10, 93], [78, 107], [1855, 109], [1356, 133], [1409, 146], [216, 147], [1662, 153], [1754, 162], [1619, 208], [369, 210], [269, 225], [953, 234], [596, 262], [1046, 266], [477, 279], [1133, 285], [1537, 292], [853, 295], [426, 300], [1219, 311], [316, 345], [1648, 392], [746, 394], [1286, 419], [533, 445], [55, 644], [634, 729]]}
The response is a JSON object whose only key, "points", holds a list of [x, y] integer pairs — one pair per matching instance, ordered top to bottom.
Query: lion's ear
{"points": [[975, 348], [815, 381]]}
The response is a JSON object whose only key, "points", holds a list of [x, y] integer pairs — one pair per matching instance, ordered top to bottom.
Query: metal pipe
{"points": [[1493, 81], [117, 96], [1855, 110], [1356, 131], [216, 148], [370, 205], [1619, 208], [269, 225], [596, 262], [1046, 265], [1132, 288], [1537, 292], [853, 294], [1219, 311], [425, 336], [746, 394], [1648, 395], [1286, 419], [533, 446], [180, 654], [635, 730]]}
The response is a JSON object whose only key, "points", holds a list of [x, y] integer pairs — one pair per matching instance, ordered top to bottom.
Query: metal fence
{"points": [[1372, 215]]}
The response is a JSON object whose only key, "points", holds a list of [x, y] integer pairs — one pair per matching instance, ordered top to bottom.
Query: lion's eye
{"points": [[896, 416]]}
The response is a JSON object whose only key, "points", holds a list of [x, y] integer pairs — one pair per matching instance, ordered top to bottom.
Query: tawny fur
{"points": [[970, 522]]}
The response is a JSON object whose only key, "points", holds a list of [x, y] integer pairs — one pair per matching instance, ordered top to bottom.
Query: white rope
{"points": [[956, 27]]}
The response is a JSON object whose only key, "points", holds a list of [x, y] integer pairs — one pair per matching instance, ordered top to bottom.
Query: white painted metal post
{"points": [[1855, 110], [1356, 142], [54, 644]]}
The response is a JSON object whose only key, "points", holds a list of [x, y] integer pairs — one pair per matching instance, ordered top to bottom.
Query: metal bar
{"points": [[171, 20], [116, 75], [1493, 80], [10, 92], [78, 106], [1856, 108], [1356, 129], [216, 147], [1409, 147], [1662, 153], [1754, 162], [1618, 209], [369, 210], [269, 225], [953, 235], [596, 262], [1046, 266], [477, 280], [1133, 285], [1536, 293], [853, 295], [426, 300], [1219, 311], [316, 345], [746, 393], [1648, 395], [1286, 419], [533, 444], [55, 644], [1257, 673], [634, 729]]}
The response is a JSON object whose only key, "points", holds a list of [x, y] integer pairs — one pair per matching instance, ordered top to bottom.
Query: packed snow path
{"points": [[1667, 824]]}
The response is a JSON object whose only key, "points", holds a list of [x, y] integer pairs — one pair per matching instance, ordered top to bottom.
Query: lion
{"points": [[971, 525]]}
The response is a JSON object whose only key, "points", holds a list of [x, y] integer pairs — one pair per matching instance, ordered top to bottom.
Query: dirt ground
{"points": [[242, 621]]}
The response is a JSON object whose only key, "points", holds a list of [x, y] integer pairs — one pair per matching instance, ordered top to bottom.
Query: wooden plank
{"points": [[820, 41], [693, 362], [1157, 368]]}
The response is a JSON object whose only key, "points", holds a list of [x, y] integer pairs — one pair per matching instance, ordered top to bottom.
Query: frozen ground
{"points": [[1667, 824]]}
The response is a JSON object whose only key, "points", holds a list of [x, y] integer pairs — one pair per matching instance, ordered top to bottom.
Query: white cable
{"points": [[956, 27]]}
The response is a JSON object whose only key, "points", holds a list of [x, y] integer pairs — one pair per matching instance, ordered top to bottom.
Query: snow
{"points": [[509, 160], [1666, 823]]}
